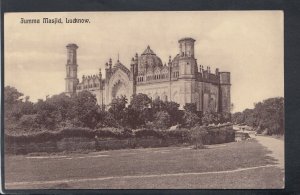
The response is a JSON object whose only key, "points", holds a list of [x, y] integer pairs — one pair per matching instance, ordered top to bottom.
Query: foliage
{"points": [[11, 95], [190, 107], [172, 108], [117, 109], [81, 110], [138, 112], [267, 115], [210, 117], [191, 119], [162, 120], [197, 135]]}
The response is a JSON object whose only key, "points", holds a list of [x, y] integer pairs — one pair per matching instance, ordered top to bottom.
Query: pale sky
{"points": [[249, 44]]}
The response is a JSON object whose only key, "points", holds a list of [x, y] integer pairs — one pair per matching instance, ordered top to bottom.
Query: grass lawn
{"points": [[79, 170]]}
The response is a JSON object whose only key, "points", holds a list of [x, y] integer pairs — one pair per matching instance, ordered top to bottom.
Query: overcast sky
{"points": [[248, 44]]}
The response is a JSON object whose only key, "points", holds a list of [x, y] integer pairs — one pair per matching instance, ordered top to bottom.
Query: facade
{"points": [[180, 80]]}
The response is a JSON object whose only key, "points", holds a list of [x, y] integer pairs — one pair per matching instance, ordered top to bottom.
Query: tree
{"points": [[12, 95], [140, 102], [12, 103], [190, 107], [117, 108], [86, 109], [173, 110], [138, 112], [270, 114], [267, 115], [209, 117], [238, 118], [191, 119], [162, 120]]}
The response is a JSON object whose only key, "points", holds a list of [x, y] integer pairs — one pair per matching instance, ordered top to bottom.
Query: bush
{"points": [[191, 119], [162, 120], [147, 133], [183, 135], [197, 135]]}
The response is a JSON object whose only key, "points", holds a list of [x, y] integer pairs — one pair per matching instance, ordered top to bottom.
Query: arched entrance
{"points": [[119, 89]]}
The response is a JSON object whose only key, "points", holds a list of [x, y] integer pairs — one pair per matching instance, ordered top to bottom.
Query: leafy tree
{"points": [[12, 95], [140, 102], [12, 103], [190, 107], [117, 108], [172, 108], [86, 109], [138, 112], [267, 115], [210, 117], [133, 118], [238, 118], [191, 119], [162, 120]]}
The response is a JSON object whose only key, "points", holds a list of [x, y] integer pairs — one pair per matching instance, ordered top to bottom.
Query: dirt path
{"points": [[275, 146]]}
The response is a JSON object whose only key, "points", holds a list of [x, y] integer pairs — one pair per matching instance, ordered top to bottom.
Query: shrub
{"points": [[190, 119], [162, 120], [147, 132], [182, 134], [197, 135]]}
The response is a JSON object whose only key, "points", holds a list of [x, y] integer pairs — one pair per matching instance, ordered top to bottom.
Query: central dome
{"points": [[149, 60]]}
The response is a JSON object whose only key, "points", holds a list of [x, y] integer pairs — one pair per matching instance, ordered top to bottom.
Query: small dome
{"points": [[148, 59]]}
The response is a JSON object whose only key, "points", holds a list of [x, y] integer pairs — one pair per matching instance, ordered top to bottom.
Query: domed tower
{"points": [[148, 60], [187, 62], [71, 69], [225, 92]]}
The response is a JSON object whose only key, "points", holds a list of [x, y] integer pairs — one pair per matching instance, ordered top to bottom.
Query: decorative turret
{"points": [[186, 46], [170, 61], [187, 62], [110, 63], [136, 65], [108, 67], [71, 69], [217, 71], [100, 73], [100, 79]]}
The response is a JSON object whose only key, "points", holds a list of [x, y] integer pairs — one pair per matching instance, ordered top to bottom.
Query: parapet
{"points": [[186, 39]]}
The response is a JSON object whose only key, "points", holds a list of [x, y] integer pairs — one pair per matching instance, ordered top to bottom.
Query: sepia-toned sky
{"points": [[249, 44]]}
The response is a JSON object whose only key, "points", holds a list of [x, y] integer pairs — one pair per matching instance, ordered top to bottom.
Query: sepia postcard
{"points": [[144, 100]]}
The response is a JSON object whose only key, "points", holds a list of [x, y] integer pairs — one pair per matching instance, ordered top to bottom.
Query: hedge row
{"points": [[181, 134]]}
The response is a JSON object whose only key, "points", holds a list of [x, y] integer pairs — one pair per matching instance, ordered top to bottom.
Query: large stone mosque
{"points": [[180, 80]]}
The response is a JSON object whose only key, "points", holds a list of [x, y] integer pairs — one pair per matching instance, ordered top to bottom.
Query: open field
{"points": [[233, 165]]}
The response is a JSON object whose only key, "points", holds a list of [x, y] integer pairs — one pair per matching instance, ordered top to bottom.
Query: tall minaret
{"points": [[71, 69]]}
